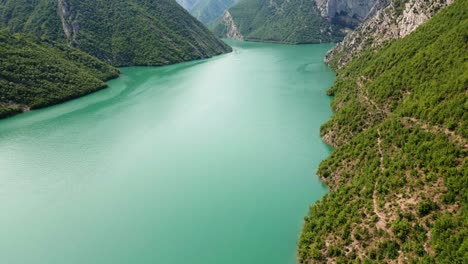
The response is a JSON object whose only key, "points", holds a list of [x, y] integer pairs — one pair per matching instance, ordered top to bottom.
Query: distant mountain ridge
{"points": [[207, 11], [347, 13], [283, 21], [119, 32]]}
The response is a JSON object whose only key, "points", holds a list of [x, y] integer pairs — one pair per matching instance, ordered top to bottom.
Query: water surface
{"points": [[203, 162]]}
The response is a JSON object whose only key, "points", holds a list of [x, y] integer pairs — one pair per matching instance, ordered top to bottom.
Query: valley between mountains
{"points": [[190, 131]]}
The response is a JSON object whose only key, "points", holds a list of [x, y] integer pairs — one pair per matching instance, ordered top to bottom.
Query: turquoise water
{"points": [[207, 162]]}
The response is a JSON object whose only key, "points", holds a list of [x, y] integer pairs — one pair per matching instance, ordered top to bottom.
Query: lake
{"points": [[203, 162]]}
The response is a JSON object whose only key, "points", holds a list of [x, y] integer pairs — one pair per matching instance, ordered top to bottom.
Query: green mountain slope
{"points": [[285, 21], [120, 32], [34, 74], [399, 173]]}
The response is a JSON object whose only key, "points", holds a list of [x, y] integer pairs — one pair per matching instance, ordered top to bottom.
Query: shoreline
{"points": [[23, 108]]}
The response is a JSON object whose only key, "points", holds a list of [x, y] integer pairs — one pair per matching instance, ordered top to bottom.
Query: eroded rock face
{"points": [[348, 13], [386, 21], [70, 24], [232, 29]]}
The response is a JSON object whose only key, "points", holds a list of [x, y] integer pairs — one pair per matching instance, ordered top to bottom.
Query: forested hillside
{"points": [[284, 21], [119, 32], [35, 74], [398, 175]]}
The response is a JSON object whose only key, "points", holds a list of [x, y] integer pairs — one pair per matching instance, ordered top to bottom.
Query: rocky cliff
{"points": [[188, 4], [348, 13], [387, 20], [232, 31]]}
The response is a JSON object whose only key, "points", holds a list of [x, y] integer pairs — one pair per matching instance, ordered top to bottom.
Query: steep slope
{"points": [[207, 11], [348, 13], [388, 20], [285, 21], [120, 32], [34, 74], [398, 174]]}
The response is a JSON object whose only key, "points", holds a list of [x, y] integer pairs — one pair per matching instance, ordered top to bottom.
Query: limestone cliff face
{"points": [[348, 13], [69, 20], [386, 21], [231, 27]]}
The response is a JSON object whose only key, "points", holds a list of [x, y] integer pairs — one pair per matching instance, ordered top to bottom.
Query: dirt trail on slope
{"points": [[365, 94], [453, 137], [382, 223]]}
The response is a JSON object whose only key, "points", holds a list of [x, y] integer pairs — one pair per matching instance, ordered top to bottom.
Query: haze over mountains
{"points": [[207, 11], [386, 21]]}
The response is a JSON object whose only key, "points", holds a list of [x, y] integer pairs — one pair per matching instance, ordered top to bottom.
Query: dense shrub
{"points": [[119, 32], [35, 74]]}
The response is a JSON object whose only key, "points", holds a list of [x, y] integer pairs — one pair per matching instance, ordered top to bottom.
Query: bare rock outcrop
{"points": [[348, 13], [386, 21], [232, 29]]}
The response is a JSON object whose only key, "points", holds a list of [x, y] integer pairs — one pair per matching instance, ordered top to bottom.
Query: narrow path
{"points": [[365, 94], [379, 145], [382, 223]]}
